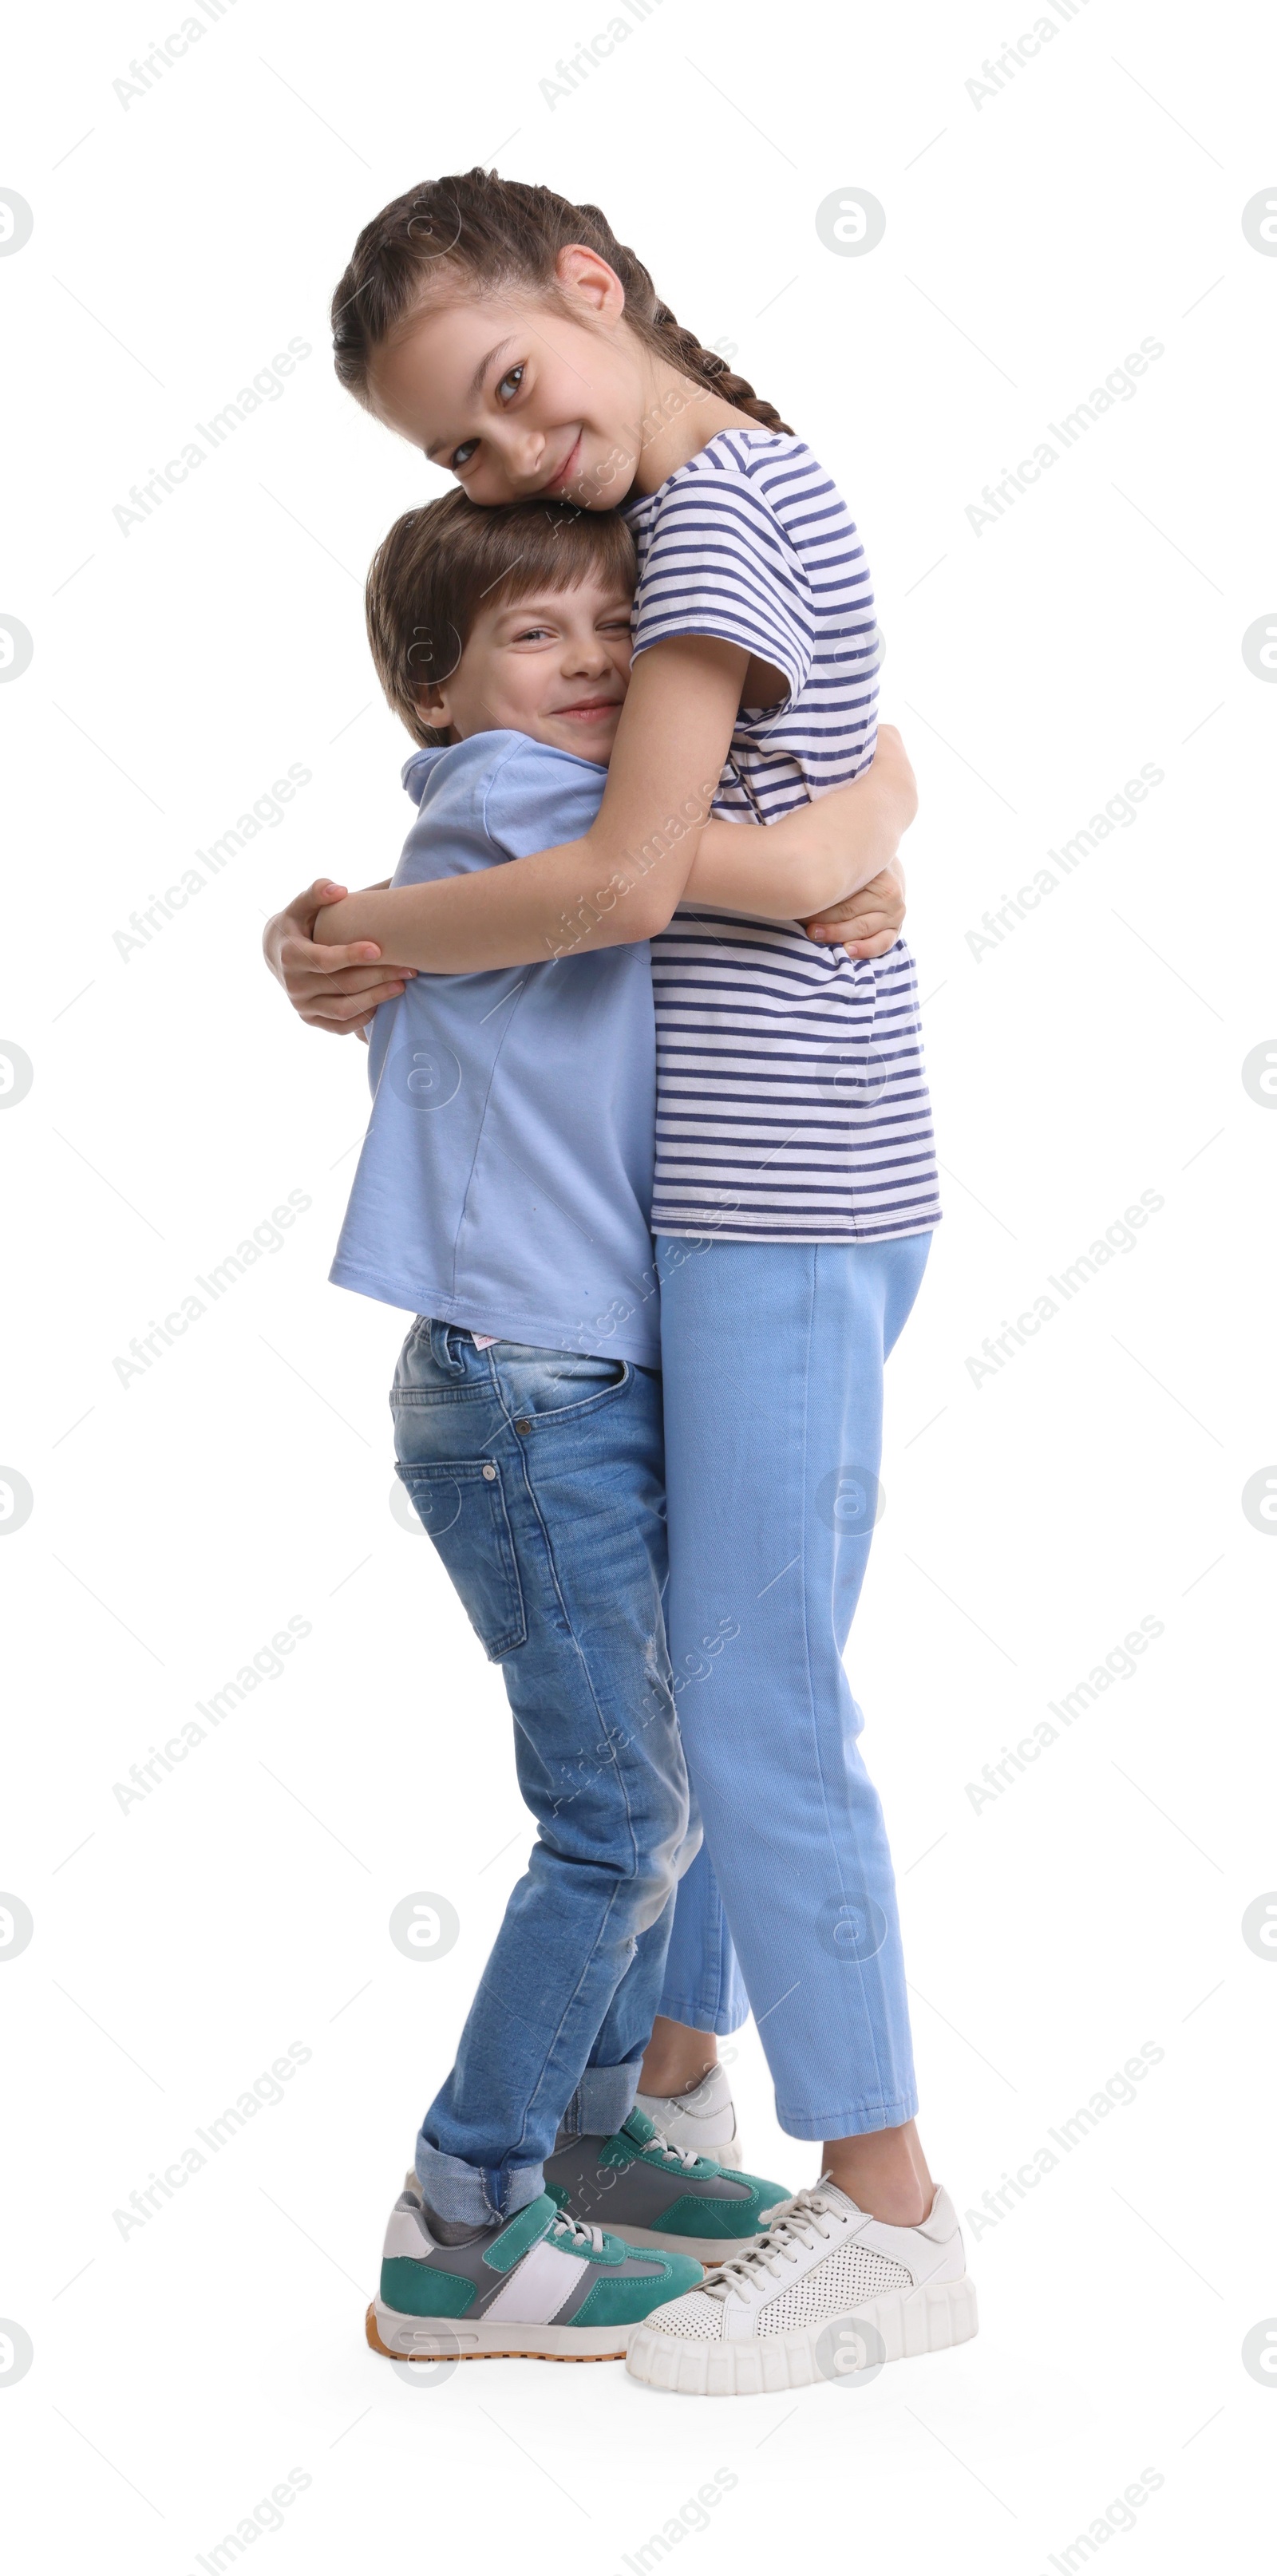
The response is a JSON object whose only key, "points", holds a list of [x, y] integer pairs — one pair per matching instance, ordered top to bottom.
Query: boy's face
{"points": [[555, 665]]}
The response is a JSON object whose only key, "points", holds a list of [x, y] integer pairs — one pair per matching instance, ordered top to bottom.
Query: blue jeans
{"points": [[773, 1357], [538, 1475]]}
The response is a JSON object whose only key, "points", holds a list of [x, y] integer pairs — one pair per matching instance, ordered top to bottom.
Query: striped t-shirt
{"points": [[792, 1102]]}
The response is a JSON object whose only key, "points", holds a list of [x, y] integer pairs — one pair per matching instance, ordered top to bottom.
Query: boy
{"points": [[502, 1196]]}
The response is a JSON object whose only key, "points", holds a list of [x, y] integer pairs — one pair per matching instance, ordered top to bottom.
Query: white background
{"points": [[181, 1519]]}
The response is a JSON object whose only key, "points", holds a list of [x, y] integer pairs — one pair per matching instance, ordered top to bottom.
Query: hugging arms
{"points": [[832, 864]]}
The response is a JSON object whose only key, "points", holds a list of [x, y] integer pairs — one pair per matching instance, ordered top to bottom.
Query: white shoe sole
{"points": [[708, 2250], [929, 2319], [436, 2340]]}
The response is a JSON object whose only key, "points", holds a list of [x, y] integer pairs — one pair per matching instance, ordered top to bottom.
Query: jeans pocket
{"points": [[425, 1376], [550, 1385], [461, 1506]]}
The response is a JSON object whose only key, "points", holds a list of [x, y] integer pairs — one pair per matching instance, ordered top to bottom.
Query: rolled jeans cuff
{"points": [[602, 2100], [473, 2195]]}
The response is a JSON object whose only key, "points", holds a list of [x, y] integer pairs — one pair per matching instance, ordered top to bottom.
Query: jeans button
{"points": [[523, 1426], [489, 1475]]}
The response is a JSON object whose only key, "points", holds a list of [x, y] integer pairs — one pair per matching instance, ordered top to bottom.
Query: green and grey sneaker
{"points": [[659, 2194], [539, 2285]]}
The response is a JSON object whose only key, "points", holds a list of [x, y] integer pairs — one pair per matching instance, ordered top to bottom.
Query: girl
{"points": [[514, 340]]}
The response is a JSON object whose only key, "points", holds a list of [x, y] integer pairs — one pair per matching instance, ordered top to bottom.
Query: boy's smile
{"points": [[555, 665]]}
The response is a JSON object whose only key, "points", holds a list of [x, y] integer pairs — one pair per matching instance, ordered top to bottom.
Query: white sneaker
{"points": [[704, 2119], [826, 2292]]}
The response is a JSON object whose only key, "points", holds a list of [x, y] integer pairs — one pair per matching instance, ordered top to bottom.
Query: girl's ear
{"points": [[588, 277]]}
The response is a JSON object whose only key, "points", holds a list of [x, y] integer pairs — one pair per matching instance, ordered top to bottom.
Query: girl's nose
{"points": [[523, 452]]}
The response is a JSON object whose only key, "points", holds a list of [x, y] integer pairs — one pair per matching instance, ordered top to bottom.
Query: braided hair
{"points": [[494, 233]]}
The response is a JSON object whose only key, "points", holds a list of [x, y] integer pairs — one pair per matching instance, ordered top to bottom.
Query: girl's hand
{"points": [[866, 924], [335, 988]]}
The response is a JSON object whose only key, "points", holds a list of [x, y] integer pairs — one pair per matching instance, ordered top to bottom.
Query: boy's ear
{"points": [[432, 707]]}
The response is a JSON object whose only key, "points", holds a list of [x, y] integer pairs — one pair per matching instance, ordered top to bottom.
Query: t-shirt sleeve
{"points": [[719, 563], [532, 800]]}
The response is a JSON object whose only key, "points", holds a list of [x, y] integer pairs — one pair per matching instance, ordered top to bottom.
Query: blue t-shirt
{"points": [[505, 1182]]}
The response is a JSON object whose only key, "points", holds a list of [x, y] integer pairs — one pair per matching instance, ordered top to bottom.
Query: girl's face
{"points": [[521, 400]]}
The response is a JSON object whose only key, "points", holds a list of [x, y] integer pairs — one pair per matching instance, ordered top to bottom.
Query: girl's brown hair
{"points": [[498, 232], [439, 564]]}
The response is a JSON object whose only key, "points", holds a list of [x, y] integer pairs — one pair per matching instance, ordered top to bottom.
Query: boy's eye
{"points": [[510, 383], [461, 456]]}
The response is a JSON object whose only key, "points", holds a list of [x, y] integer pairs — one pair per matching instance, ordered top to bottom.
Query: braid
{"points": [[495, 232], [691, 359]]}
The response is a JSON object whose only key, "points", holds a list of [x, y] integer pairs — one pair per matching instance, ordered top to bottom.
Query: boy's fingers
{"points": [[853, 930], [319, 960], [336, 1000], [334, 1011]]}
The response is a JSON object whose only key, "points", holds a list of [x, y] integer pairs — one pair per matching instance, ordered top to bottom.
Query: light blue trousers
{"points": [[773, 1358]]}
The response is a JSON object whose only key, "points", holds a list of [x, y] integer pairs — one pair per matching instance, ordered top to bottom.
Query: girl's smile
{"points": [[555, 398], [513, 413], [561, 481]]}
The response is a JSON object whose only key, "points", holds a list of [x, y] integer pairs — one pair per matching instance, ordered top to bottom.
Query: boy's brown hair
{"points": [[439, 565]]}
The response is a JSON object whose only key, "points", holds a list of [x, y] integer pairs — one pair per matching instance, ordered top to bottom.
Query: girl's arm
{"points": [[815, 858], [812, 861], [623, 880]]}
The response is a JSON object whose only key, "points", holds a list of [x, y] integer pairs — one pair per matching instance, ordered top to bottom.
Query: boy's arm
{"points": [[813, 860], [865, 924], [334, 968], [335, 988]]}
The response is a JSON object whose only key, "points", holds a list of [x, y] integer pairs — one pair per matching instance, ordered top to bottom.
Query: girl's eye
{"points": [[510, 383], [461, 456]]}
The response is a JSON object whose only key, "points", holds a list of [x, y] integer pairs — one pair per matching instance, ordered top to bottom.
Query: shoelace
{"points": [[685, 2156], [574, 2236], [788, 2236]]}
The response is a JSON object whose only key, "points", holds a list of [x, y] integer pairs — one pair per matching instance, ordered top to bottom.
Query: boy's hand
{"points": [[868, 923], [331, 988]]}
